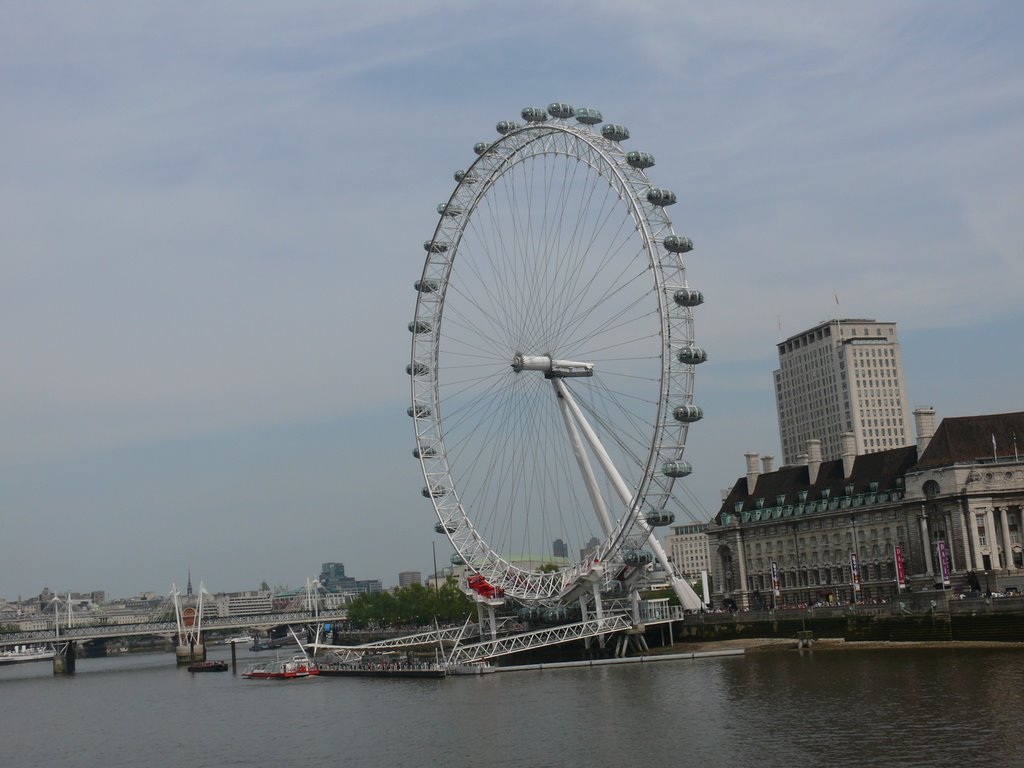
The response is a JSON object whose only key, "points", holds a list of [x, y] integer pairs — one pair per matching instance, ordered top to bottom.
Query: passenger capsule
{"points": [[560, 110], [534, 114], [588, 116], [507, 126], [615, 132], [481, 146], [639, 160], [465, 177], [661, 197], [449, 210], [677, 244], [435, 246], [427, 286], [688, 297], [420, 326], [692, 355], [417, 369], [419, 411], [687, 414], [424, 452], [678, 468], [434, 492], [659, 517], [442, 528], [637, 557], [457, 559], [555, 615]]}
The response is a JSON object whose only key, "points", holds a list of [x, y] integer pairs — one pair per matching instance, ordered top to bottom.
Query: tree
{"points": [[414, 605]]}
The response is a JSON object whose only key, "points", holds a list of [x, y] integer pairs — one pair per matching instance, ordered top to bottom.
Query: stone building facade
{"points": [[947, 512]]}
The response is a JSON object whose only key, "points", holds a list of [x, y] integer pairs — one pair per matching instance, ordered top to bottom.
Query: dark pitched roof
{"points": [[969, 439], [887, 468]]}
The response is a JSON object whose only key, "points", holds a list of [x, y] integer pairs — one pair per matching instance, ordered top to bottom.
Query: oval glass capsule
{"points": [[560, 110], [534, 114], [588, 116], [615, 132], [640, 160], [661, 197], [677, 244], [688, 297], [420, 326], [692, 355], [687, 414], [678, 468]]}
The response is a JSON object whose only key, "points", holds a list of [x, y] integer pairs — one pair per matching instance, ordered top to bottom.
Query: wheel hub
{"points": [[552, 369]]}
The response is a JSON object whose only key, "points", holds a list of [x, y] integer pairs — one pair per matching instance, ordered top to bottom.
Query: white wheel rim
{"points": [[548, 247]]}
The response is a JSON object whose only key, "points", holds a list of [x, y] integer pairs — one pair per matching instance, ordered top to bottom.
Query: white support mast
{"points": [[687, 597]]}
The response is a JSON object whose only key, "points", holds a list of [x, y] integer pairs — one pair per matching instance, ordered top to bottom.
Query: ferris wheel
{"points": [[553, 359]]}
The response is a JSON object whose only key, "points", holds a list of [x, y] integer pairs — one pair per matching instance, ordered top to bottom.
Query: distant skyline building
{"points": [[841, 376], [687, 545], [559, 548], [408, 578], [333, 579]]}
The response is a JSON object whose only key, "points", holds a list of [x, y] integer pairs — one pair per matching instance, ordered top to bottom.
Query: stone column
{"points": [[947, 521], [972, 522], [965, 538], [992, 539], [926, 544], [1007, 544], [741, 556]]}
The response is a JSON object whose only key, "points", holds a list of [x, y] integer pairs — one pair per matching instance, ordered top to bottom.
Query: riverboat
{"points": [[240, 640], [21, 654], [208, 666], [290, 669]]}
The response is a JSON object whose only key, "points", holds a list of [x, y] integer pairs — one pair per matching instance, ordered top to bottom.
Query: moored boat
{"points": [[20, 654], [208, 666], [289, 669]]}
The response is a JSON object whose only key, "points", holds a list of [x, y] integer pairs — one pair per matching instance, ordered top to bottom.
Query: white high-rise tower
{"points": [[841, 376]]}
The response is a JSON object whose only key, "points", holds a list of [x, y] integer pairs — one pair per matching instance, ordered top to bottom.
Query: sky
{"points": [[212, 216]]}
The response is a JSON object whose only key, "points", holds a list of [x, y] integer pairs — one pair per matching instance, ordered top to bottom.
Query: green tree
{"points": [[414, 605]]}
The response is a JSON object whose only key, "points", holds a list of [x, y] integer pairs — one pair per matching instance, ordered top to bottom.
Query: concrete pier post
{"points": [[186, 654], [64, 659]]}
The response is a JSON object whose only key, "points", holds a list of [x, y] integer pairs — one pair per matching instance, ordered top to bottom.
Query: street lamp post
{"points": [[796, 543], [855, 578]]}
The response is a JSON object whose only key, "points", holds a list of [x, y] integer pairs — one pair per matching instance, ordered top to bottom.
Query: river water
{"points": [[891, 707]]}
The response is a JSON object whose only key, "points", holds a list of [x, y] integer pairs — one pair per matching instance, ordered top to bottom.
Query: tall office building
{"points": [[841, 376], [688, 547], [408, 578]]}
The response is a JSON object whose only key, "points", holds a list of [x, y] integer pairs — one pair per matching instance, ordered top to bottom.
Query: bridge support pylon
{"points": [[64, 656]]}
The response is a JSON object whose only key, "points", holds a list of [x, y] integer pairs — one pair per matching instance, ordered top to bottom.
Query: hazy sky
{"points": [[212, 217]]}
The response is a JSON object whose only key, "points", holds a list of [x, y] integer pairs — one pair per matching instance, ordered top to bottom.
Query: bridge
{"points": [[187, 628], [101, 631]]}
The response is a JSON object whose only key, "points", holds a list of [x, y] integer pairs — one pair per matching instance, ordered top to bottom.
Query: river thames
{"points": [[887, 707]]}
